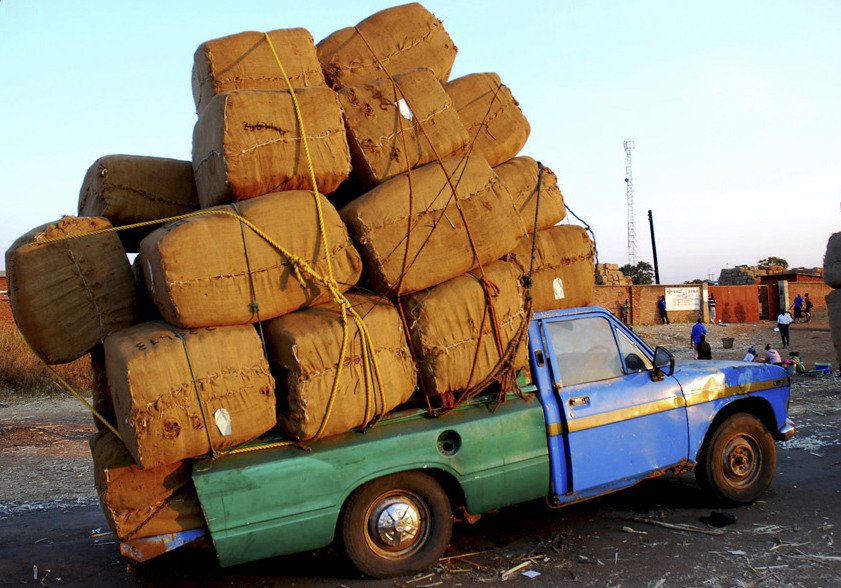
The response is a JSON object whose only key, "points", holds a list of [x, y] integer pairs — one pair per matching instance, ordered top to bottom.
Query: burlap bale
{"points": [[401, 37], [245, 62], [378, 116], [496, 125], [247, 143], [520, 177], [128, 189], [439, 247], [832, 261], [563, 267], [209, 270], [68, 295], [833, 307], [146, 309], [453, 335], [304, 349], [157, 374], [100, 393], [142, 502]]}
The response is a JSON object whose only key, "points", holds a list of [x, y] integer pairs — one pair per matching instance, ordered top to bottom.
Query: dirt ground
{"points": [[46, 476]]}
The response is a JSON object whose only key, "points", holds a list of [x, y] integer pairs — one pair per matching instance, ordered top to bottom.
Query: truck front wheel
{"points": [[738, 460], [396, 525]]}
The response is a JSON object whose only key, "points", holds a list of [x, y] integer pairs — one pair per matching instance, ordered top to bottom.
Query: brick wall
{"points": [[643, 302], [734, 304]]}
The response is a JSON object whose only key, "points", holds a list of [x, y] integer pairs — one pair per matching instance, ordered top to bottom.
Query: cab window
{"points": [[585, 350], [636, 360]]}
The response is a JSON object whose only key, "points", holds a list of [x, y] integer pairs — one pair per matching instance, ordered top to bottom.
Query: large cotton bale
{"points": [[398, 38], [245, 61], [496, 125], [393, 129], [247, 143], [520, 176], [128, 189], [439, 248], [832, 261], [211, 270], [564, 274], [68, 295], [452, 331], [304, 350], [179, 394], [142, 502]]}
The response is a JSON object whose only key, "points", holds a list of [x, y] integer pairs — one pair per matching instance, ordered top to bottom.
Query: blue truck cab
{"points": [[603, 412]]}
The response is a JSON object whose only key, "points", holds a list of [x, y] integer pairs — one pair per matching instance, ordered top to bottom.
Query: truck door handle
{"points": [[579, 400]]}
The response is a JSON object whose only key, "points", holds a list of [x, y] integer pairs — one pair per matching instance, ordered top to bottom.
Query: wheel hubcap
{"points": [[397, 523]]}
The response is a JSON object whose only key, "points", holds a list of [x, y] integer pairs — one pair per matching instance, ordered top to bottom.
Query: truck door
{"points": [[620, 424]]}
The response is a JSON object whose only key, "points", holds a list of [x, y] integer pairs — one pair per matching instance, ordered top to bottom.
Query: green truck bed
{"points": [[283, 500]]}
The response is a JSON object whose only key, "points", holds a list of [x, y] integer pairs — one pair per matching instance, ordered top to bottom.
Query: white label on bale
{"points": [[404, 109], [558, 288], [223, 421]]}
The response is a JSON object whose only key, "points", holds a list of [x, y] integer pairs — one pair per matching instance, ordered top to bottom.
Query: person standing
{"points": [[711, 304], [797, 305], [661, 306], [807, 307], [624, 310], [783, 321], [698, 331], [704, 349]]}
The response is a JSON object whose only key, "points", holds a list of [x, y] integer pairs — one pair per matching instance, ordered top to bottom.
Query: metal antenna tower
{"points": [[629, 186]]}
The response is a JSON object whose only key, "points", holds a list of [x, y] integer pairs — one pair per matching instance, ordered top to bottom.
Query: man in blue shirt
{"points": [[661, 306], [798, 306], [698, 329]]}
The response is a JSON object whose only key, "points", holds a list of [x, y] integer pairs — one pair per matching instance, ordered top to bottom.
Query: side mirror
{"points": [[664, 364]]}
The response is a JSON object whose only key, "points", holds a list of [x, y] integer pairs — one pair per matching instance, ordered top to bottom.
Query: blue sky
{"points": [[733, 107]]}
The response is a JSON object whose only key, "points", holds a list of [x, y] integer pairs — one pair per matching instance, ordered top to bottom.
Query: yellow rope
{"points": [[299, 266], [367, 347]]}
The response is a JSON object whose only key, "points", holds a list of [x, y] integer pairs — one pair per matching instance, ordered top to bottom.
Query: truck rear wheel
{"points": [[738, 461], [396, 525]]}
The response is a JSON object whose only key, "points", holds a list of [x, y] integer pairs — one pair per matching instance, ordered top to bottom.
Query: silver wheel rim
{"points": [[397, 524]]}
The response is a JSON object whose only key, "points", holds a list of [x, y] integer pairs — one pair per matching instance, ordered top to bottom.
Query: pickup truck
{"points": [[604, 411]]}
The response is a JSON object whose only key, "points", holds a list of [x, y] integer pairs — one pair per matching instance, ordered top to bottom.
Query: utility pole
{"points": [[629, 187]]}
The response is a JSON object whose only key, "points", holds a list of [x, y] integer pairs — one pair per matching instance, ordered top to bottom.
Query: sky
{"points": [[733, 108]]}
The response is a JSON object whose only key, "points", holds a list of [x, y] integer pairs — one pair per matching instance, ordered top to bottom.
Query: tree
{"points": [[772, 261], [641, 273]]}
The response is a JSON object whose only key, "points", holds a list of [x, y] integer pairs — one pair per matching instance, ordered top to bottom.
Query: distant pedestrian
{"points": [[711, 304], [661, 306], [797, 306], [807, 307], [624, 310], [783, 321], [698, 331], [703, 348], [772, 355]]}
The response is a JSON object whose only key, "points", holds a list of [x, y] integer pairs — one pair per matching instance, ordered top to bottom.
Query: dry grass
{"points": [[23, 373]]}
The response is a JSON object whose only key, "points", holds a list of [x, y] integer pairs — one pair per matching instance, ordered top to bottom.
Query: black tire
{"points": [[738, 461], [368, 525]]}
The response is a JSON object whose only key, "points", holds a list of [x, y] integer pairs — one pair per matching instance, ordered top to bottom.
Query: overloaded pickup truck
{"points": [[604, 411]]}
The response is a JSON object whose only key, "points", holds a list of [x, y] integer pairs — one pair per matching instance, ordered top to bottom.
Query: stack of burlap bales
{"points": [[609, 274], [832, 277], [233, 318]]}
